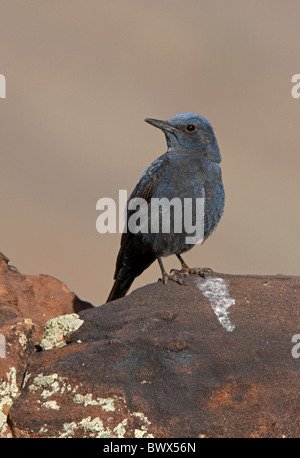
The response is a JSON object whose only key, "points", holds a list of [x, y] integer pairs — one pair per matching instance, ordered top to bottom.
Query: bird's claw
{"points": [[192, 271], [179, 272], [173, 277]]}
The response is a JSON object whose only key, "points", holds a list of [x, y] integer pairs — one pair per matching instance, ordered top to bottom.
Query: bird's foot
{"points": [[185, 271], [176, 277]]}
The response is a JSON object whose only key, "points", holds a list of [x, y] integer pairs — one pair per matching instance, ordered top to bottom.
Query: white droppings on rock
{"points": [[216, 291]]}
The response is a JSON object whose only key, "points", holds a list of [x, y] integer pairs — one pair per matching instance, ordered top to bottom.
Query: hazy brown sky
{"points": [[81, 77]]}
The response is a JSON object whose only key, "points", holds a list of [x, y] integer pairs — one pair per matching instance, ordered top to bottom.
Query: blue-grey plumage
{"points": [[190, 169]]}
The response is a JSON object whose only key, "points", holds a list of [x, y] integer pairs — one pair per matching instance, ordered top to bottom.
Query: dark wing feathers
{"points": [[150, 178], [134, 257]]}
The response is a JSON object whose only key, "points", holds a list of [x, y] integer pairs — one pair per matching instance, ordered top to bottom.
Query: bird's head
{"points": [[189, 132]]}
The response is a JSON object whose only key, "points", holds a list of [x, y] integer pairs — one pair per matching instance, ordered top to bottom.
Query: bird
{"points": [[190, 169]]}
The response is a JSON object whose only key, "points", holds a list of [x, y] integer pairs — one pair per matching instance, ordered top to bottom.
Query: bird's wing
{"points": [[151, 178], [144, 189], [134, 256]]}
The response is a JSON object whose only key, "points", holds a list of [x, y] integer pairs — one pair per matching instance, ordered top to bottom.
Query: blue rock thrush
{"points": [[188, 170]]}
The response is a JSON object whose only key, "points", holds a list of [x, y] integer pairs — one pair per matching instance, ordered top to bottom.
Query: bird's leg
{"points": [[186, 270], [166, 277]]}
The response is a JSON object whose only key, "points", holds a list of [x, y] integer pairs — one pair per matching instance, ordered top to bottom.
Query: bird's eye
{"points": [[190, 128]]}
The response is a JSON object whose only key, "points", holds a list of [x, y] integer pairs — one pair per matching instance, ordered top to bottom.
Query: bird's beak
{"points": [[163, 125]]}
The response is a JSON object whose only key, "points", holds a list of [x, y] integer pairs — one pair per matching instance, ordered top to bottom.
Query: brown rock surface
{"points": [[26, 303], [210, 359]]}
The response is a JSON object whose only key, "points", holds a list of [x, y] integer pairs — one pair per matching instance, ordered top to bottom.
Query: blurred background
{"points": [[81, 76]]}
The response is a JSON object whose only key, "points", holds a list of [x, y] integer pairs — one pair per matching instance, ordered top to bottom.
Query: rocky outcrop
{"points": [[27, 302], [209, 359]]}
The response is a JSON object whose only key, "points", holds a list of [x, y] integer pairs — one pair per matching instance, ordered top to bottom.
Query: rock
{"points": [[54, 298], [26, 303], [58, 329], [18, 346], [209, 359]]}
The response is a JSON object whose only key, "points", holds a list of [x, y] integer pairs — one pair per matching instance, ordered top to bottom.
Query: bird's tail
{"points": [[125, 275], [120, 288]]}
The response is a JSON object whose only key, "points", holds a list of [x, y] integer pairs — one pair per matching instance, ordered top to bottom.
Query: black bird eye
{"points": [[190, 128]]}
